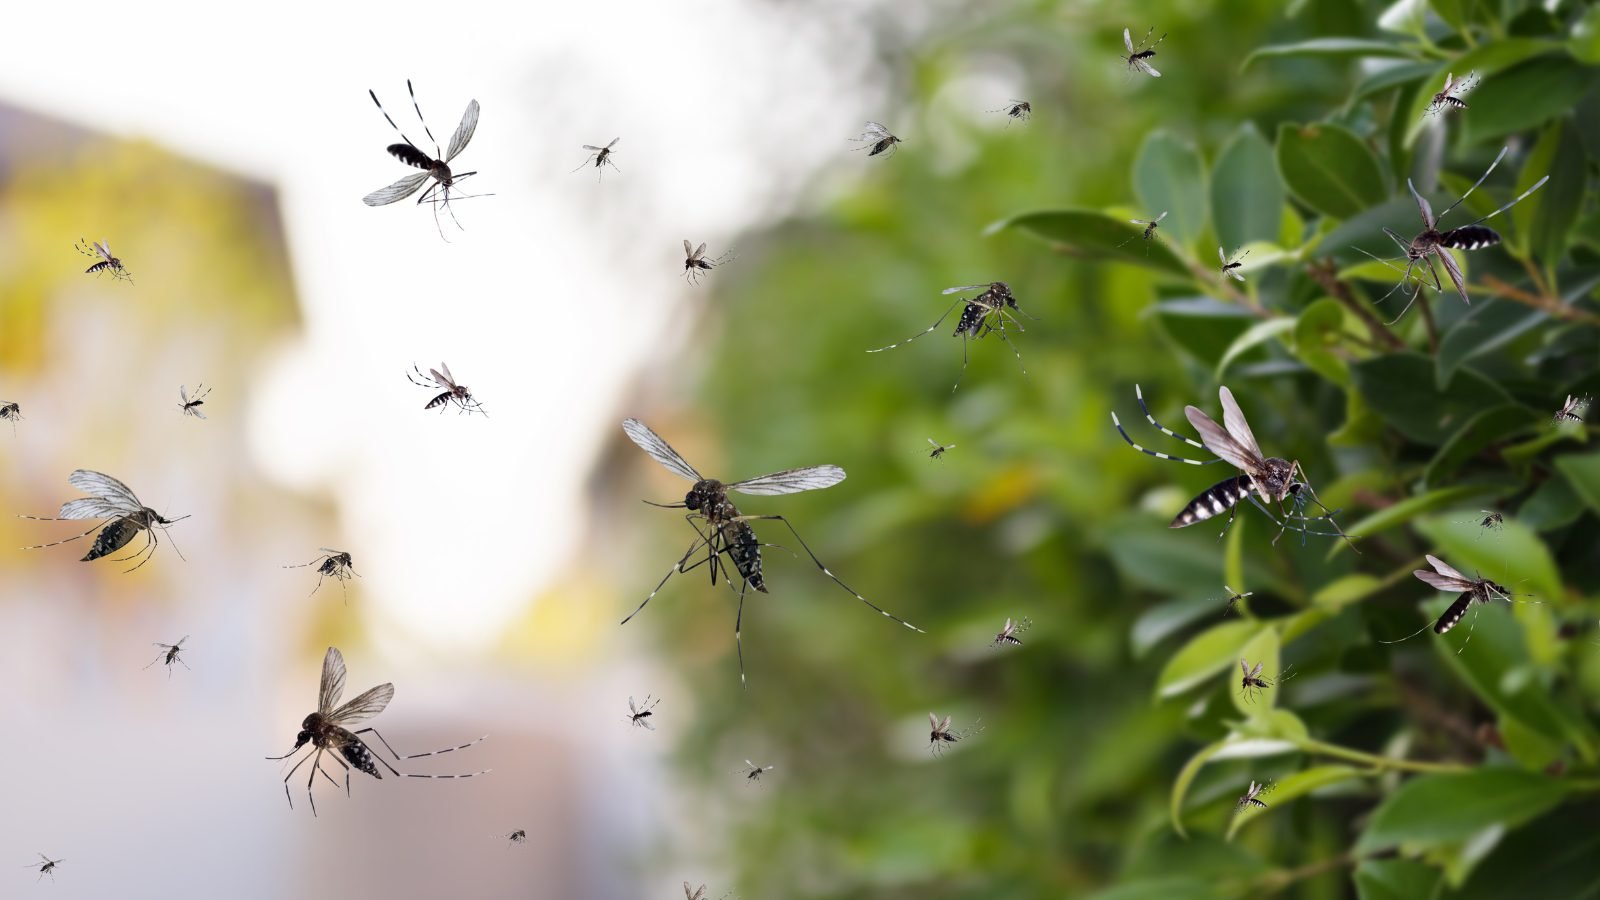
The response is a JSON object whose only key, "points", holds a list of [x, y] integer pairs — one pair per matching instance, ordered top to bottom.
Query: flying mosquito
{"points": [[1138, 56], [1448, 98], [1016, 110], [878, 139], [601, 157], [436, 167], [1150, 226], [1432, 243], [695, 261], [107, 262], [1231, 265], [989, 311], [455, 394], [191, 406], [12, 411], [1571, 411], [938, 449], [1270, 479], [124, 516], [1490, 521], [721, 529], [332, 563], [1447, 579], [1234, 597], [1008, 633], [169, 653], [1252, 682], [640, 714], [325, 730], [942, 733], [753, 772], [1252, 796], [520, 836], [48, 867], [698, 893]]}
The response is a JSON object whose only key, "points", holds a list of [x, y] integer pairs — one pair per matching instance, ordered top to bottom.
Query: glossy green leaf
{"points": [[1584, 45], [1331, 47], [1486, 60], [1525, 97], [1329, 169], [1169, 176], [1246, 196], [1544, 225], [1095, 235], [1203, 326], [1487, 327], [1319, 333], [1254, 336], [1401, 389], [1496, 425], [1582, 471], [1555, 503], [1410, 508], [1342, 592], [1206, 654], [1291, 787], [1436, 810], [1552, 856], [1396, 879], [1181, 887]]}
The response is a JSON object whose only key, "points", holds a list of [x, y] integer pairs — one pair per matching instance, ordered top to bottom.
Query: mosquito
{"points": [[1139, 55], [1447, 99], [1016, 110], [878, 139], [601, 157], [436, 167], [1150, 226], [1432, 243], [107, 261], [695, 261], [1231, 265], [988, 311], [455, 394], [191, 407], [12, 411], [1571, 411], [938, 449], [1262, 478], [124, 517], [1491, 520], [721, 529], [334, 564], [1447, 579], [1234, 597], [1008, 633], [169, 653], [1253, 682], [640, 714], [325, 730], [942, 733], [753, 772], [1252, 796], [520, 836], [48, 867]]}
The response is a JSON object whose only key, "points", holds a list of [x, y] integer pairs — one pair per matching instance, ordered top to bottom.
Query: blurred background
{"points": [[224, 158]]}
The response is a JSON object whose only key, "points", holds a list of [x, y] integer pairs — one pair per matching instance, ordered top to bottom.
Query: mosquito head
{"points": [[1276, 479]]}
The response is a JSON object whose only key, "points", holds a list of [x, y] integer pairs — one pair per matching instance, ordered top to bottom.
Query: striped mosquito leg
{"points": [[918, 334], [1013, 346], [1139, 392], [1217, 499], [1304, 528], [63, 540], [676, 567], [880, 610], [738, 624], [374, 733]]}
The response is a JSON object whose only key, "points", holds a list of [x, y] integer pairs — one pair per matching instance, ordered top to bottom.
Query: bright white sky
{"points": [[550, 301]]}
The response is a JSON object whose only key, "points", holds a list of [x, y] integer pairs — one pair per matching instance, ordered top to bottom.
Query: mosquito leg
{"points": [[935, 325], [1013, 347], [962, 374], [62, 541], [149, 550], [883, 612], [1470, 626], [738, 643], [385, 743], [335, 758], [315, 767], [296, 768]]}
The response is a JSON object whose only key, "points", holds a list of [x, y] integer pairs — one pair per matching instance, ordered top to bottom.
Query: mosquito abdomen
{"points": [[411, 156], [1470, 237], [1217, 499], [112, 538], [745, 550], [1453, 615], [359, 756]]}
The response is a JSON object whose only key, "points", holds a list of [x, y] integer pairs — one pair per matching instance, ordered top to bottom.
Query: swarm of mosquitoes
{"points": [[725, 541]]}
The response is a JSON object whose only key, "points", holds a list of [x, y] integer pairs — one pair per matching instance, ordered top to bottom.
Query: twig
{"points": [[1323, 274], [1544, 303]]}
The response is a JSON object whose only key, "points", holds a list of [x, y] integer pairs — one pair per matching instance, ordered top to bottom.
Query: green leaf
{"points": [[1450, 11], [1584, 44], [1331, 47], [1486, 60], [1393, 76], [1524, 97], [1329, 169], [1169, 176], [1246, 196], [1545, 224], [1095, 235], [1203, 326], [1488, 326], [1319, 332], [1256, 334], [1401, 389], [1495, 425], [1582, 471], [1554, 504], [1408, 509], [1461, 540], [1343, 591], [1163, 620], [1206, 654], [1186, 775], [1292, 786], [1439, 810], [1555, 853], [1396, 879], [1181, 887]]}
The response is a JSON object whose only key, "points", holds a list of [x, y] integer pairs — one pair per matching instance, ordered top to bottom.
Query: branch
{"points": [[1323, 274]]}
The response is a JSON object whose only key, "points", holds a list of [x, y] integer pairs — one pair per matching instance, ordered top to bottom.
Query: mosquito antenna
{"points": [[436, 153]]}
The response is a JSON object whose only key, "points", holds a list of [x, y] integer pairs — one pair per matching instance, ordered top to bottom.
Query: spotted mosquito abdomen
{"points": [[411, 156], [1470, 237], [971, 320], [1217, 499], [113, 537], [745, 550], [1454, 614], [354, 751]]}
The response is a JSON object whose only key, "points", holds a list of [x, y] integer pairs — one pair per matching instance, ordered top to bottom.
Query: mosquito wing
{"points": [[1127, 41], [1148, 69], [469, 124], [877, 131], [613, 142], [593, 148], [400, 190], [1422, 205], [1163, 212], [104, 246], [688, 249], [699, 251], [1222, 256], [1454, 271], [964, 288], [183, 394], [1234, 419], [1218, 441], [659, 450], [790, 481], [106, 488], [90, 508], [1444, 568], [1245, 668], [1257, 670], [332, 687], [364, 707], [631, 707], [933, 721], [944, 727], [693, 893]]}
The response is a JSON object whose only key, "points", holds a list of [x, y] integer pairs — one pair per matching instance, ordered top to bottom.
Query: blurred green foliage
{"points": [[1118, 741]]}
